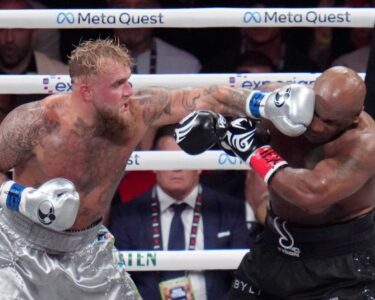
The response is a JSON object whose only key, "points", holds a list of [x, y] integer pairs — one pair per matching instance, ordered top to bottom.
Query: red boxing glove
{"points": [[265, 161]]}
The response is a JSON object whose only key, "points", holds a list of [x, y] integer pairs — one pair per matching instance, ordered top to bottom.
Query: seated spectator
{"points": [[267, 40], [320, 40], [46, 41], [351, 46], [151, 54], [17, 55], [356, 60], [254, 62], [220, 225]]}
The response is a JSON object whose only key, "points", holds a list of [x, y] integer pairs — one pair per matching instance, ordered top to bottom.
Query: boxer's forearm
{"points": [[224, 100], [160, 106], [300, 188]]}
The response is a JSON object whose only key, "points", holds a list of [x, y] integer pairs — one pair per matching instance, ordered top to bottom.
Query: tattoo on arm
{"points": [[225, 100], [188, 102], [155, 103], [236, 105], [20, 132]]}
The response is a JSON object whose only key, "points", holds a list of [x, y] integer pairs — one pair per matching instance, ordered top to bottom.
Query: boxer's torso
{"points": [[94, 163]]}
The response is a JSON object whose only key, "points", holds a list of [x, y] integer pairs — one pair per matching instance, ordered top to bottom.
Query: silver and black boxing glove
{"points": [[290, 108], [199, 131], [53, 205]]}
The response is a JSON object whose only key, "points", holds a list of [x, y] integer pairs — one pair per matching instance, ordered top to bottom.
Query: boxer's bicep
{"points": [[331, 181]]}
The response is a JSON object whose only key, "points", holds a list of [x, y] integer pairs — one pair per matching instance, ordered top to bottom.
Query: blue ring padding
{"points": [[255, 100], [14, 196]]}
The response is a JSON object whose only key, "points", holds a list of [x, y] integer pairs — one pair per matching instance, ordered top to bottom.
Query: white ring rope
{"points": [[193, 17], [48, 84], [179, 160], [197, 260]]}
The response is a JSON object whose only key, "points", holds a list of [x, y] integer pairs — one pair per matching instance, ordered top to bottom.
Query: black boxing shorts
{"points": [[294, 261]]}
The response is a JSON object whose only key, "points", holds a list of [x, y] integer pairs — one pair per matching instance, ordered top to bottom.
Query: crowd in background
{"points": [[213, 50]]}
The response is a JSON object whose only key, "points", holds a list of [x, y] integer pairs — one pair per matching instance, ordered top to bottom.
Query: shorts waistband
{"points": [[323, 240], [51, 241]]}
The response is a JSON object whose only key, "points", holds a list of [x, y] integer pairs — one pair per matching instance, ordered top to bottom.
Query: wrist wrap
{"points": [[265, 161], [11, 194]]}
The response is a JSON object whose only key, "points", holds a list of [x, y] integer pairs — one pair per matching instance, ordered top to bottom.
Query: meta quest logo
{"points": [[310, 16], [125, 18]]}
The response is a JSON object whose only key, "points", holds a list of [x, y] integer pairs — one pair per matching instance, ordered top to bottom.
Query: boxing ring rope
{"points": [[187, 18], [49, 84], [168, 160], [179, 160], [196, 260]]}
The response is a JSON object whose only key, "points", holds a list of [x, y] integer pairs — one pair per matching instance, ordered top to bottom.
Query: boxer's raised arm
{"points": [[161, 106], [290, 108], [329, 182]]}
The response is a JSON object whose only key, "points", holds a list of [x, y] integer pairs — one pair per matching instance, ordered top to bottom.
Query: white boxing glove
{"points": [[290, 108], [53, 205]]}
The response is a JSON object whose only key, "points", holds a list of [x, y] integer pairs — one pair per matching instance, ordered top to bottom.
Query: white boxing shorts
{"points": [[37, 263]]}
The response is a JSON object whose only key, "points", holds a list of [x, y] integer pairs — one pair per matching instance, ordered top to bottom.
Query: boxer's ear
{"points": [[85, 91], [356, 118]]}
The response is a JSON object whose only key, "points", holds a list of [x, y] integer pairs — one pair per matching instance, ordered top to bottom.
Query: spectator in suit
{"points": [[46, 41], [17, 55], [221, 225]]}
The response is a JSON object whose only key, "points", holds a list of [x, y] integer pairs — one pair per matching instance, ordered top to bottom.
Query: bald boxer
{"points": [[68, 153], [319, 237]]}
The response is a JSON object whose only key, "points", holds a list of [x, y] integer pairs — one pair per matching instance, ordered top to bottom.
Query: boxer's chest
{"points": [[90, 162]]}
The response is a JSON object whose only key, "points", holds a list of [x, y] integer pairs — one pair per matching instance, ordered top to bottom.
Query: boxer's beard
{"points": [[117, 128]]}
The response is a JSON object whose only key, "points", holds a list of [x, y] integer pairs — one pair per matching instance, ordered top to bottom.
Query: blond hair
{"points": [[91, 57]]}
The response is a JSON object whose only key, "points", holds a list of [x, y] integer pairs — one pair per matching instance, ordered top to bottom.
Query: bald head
{"points": [[342, 89]]}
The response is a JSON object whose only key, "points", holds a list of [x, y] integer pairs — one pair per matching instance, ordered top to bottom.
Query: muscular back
{"points": [[40, 141], [339, 183]]}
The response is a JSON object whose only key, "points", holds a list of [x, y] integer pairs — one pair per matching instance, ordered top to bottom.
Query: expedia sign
{"points": [[310, 16], [125, 18], [244, 81], [57, 84]]}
